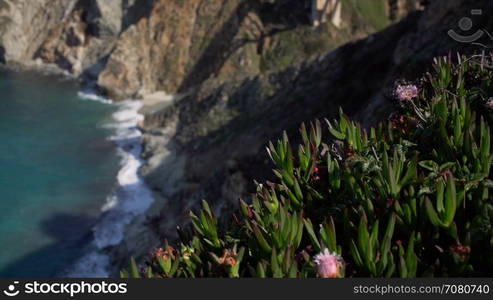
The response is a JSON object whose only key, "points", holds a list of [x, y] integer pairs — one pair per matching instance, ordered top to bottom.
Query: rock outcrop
{"points": [[326, 10], [24, 25], [87, 35], [179, 46], [129, 48]]}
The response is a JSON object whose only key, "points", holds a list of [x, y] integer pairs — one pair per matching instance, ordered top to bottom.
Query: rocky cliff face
{"points": [[24, 25], [87, 35], [130, 48], [214, 137]]}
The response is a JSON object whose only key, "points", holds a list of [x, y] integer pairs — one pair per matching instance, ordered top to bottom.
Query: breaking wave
{"points": [[130, 197]]}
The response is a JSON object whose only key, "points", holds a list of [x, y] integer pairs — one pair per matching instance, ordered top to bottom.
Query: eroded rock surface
{"points": [[24, 25], [129, 48]]}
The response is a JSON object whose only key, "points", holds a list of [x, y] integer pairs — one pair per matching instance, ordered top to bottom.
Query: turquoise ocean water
{"points": [[57, 168]]}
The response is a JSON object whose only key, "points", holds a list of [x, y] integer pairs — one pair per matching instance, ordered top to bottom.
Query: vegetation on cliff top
{"points": [[375, 12], [411, 197]]}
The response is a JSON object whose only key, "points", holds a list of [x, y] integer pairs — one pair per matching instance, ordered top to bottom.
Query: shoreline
{"points": [[39, 67], [158, 156], [131, 197], [124, 226]]}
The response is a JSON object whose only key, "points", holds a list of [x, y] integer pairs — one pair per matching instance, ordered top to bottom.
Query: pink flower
{"points": [[406, 92], [489, 104], [329, 265]]}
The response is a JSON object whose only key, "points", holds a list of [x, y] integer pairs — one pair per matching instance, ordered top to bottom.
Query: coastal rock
{"points": [[24, 25], [84, 38], [129, 48], [149, 50]]}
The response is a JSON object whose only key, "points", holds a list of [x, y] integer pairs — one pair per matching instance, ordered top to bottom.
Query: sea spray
{"points": [[87, 95], [130, 198]]}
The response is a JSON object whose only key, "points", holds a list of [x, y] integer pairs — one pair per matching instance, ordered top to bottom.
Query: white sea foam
{"points": [[88, 95], [130, 198]]}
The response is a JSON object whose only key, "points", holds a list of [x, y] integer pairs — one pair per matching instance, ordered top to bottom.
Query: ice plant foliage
{"points": [[406, 92], [411, 197], [329, 265]]}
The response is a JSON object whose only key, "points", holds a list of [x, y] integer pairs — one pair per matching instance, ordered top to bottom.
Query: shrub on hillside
{"points": [[411, 197]]}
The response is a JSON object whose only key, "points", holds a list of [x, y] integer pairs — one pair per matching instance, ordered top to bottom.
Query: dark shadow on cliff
{"points": [[140, 9], [133, 12], [281, 16], [219, 49], [2, 55], [348, 77], [69, 234]]}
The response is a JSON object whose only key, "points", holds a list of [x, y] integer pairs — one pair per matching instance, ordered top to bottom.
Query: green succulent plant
{"points": [[410, 197]]}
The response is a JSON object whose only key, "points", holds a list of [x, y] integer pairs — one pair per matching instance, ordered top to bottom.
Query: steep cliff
{"points": [[24, 25], [87, 34], [130, 48]]}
